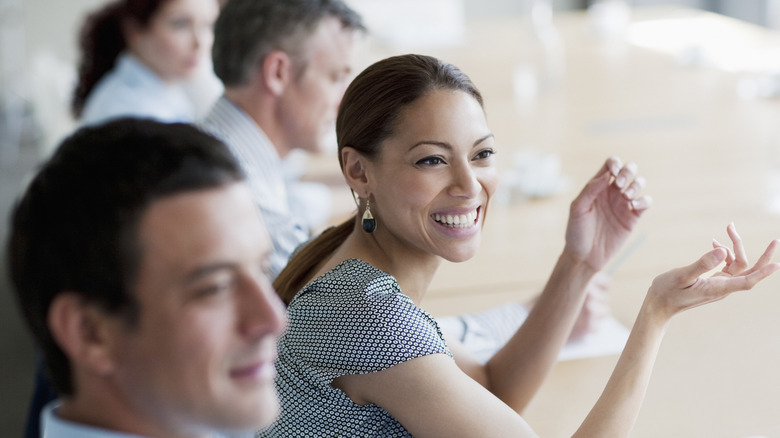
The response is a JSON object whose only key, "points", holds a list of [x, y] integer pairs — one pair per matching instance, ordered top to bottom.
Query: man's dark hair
{"points": [[248, 30], [75, 227]]}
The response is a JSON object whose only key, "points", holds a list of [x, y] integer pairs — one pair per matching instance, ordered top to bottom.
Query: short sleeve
{"points": [[357, 324]]}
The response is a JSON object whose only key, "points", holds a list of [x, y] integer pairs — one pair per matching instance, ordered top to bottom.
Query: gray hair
{"points": [[248, 30]]}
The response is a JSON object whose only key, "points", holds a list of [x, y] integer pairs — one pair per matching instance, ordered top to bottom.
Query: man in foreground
{"points": [[139, 262]]}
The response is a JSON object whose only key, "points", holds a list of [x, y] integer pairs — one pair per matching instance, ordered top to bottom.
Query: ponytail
{"points": [[100, 41], [303, 264]]}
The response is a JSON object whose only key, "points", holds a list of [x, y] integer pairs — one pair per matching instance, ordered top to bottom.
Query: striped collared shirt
{"points": [[263, 168]]}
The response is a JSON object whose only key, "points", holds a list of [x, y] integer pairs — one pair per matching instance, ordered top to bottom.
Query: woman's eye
{"points": [[180, 23], [207, 29], [339, 77], [484, 154], [430, 161]]}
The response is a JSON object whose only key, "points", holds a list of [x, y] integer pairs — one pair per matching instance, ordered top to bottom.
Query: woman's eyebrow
{"points": [[483, 139], [441, 144], [446, 145]]}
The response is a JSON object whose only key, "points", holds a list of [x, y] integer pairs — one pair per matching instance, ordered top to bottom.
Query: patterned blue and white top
{"points": [[353, 319]]}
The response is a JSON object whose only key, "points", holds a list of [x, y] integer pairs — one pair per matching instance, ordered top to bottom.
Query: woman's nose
{"points": [[464, 182]]}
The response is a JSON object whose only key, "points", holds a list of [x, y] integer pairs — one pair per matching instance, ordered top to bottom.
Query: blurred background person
{"points": [[136, 56], [285, 66]]}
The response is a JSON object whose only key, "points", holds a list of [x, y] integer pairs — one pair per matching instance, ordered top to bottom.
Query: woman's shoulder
{"points": [[128, 91], [356, 269], [353, 273], [351, 281], [356, 307]]}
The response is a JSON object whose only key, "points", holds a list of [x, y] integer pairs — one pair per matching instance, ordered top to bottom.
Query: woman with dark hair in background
{"points": [[136, 56]]}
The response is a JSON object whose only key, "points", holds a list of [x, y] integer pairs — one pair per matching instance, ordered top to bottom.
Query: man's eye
{"points": [[266, 268], [214, 288]]}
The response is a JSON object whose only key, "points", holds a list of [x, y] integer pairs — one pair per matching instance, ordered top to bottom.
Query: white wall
{"points": [[52, 25]]}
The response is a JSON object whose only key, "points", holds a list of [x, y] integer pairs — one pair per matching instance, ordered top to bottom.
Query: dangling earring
{"points": [[369, 223]]}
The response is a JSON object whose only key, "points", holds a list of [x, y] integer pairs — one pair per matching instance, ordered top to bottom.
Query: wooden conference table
{"points": [[709, 156]]}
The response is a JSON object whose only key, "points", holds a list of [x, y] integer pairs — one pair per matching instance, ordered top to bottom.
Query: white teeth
{"points": [[457, 221]]}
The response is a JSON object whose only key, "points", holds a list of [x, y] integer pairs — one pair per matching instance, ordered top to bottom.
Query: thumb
{"points": [[589, 193], [706, 263]]}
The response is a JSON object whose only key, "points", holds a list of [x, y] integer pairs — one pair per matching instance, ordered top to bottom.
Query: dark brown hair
{"points": [[101, 40], [367, 116], [75, 227]]}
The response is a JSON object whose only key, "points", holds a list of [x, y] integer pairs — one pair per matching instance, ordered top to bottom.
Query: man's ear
{"points": [[278, 71], [357, 170], [83, 332]]}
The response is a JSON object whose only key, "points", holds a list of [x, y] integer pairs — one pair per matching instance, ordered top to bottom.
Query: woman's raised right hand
{"points": [[684, 288]]}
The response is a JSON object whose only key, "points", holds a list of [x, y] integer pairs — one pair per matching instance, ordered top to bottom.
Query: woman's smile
{"points": [[457, 220]]}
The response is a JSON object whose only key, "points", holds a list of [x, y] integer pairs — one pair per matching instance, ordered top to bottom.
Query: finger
{"points": [[611, 165], [626, 175], [634, 188], [587, 196], [641, 204], [739, 248], [769, 252], [729, 254], [706, 263], [600, 281], [746, 282], [596, 293], [600, 296], [600, 309], [593, 311]]}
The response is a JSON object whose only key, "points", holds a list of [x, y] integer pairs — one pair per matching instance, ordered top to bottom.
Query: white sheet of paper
{"points": [[483, 333], [608, 338]]}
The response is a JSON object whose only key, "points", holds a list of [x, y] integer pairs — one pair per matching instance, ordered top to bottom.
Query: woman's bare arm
{"points": [[431, 396]]}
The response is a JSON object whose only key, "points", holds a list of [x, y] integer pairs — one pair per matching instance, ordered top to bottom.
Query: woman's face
{"points": [[177, 38], [433, 178]]}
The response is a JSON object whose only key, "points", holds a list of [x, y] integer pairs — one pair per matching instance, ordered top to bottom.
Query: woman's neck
{"points": [[412, 269]]}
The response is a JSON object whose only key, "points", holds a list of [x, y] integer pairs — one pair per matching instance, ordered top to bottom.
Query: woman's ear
{"points": [[131, 32], [277, 71], [356, 170], [83, 332]]}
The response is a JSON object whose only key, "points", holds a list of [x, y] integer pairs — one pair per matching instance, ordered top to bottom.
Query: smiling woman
{"points": [[135, 54], [443, 166], [360, 358]]}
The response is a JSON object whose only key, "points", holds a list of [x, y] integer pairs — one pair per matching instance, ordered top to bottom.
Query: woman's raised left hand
{"points": [[605, 212]]}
